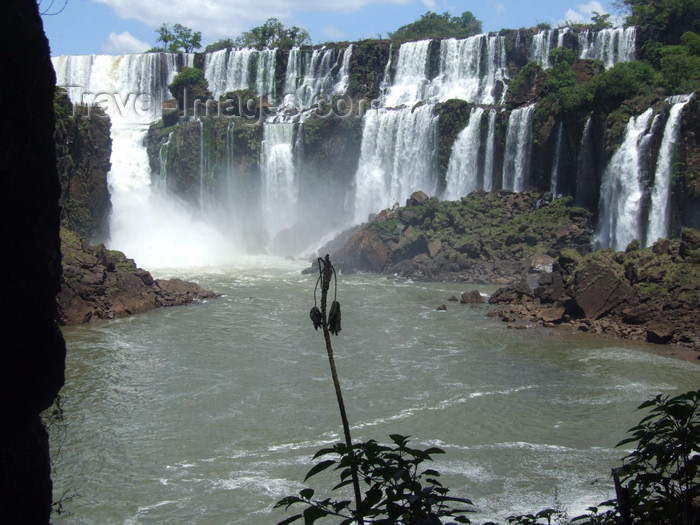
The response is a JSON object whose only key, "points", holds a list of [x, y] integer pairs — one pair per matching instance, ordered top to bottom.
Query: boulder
{"points": [[416, 198], [598, 286], [517, 294], [471, 297], [552, 315], [659, 332]]}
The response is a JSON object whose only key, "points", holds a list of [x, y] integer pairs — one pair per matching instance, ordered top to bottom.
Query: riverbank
{"points": [[98, 283], [650, 294]]}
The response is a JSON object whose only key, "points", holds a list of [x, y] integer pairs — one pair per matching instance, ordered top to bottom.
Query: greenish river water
{"points": [[210, 413]]}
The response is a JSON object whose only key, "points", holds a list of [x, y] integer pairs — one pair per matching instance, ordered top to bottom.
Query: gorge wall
{"points": [[306, 142], [32, 351]]}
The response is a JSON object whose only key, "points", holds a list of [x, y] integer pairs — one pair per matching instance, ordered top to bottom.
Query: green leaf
{"points": [[319, 467], [307, 494], [311, 514]]}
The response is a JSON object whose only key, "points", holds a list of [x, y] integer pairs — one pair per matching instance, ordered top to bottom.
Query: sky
{"points": [[78, 27]]}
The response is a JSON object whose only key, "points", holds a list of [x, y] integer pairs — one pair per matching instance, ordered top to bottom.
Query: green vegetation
{"points": [[663, 20], [433, 25], [273, 33], [179, 38], [224, 43], [561, 75], [189, 85]]}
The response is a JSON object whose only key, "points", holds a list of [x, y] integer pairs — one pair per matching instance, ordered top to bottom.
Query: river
{"points": [[210, 413]]}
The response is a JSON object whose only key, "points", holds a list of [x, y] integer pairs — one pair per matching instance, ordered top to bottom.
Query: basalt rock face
{"points": [[83, 148], [490, 237], [103, 284], [650, 294], [32, 353]]}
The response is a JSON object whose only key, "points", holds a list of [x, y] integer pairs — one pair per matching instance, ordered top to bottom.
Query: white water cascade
{"points": [[543, 42], [612, 46], [236, 69], [470, 69], [344, 74], [309, 76], [410, 79], [490, 151], [397, 157], [516, 164], [463, 168], [554, 178], [280, 186], [621, 190], [146, 223], [658, 226]]}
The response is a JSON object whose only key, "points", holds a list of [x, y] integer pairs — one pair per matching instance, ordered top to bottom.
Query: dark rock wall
{"points": [[83, 148], [32, 352]]}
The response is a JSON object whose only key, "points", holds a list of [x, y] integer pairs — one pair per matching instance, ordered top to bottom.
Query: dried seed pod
{"points": [[316, 317], [334, 318]]}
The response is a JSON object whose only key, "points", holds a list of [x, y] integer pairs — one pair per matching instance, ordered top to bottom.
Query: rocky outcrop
{"points": [[83, 149], [498, 237], [103, 284], [650, 295], [32, 352]]}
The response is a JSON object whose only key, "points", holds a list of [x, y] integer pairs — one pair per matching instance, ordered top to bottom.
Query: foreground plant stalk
{"points": [[326, 276]]}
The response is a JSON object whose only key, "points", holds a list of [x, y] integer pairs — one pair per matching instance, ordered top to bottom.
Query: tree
{"points": [[663, 20], [433, 25], [273, 33], [164, 35], [180, 38], [185, 39], [224, 43]]}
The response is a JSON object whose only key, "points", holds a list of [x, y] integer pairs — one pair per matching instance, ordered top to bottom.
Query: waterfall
{"points": [[542, 45], [612, 45], [236, 69], [470, 69], [344, 74], [309, 78], [410, 79], [490, 151], [397, 157], [163, 159], [516, 164], [463, 168], [585, 172], [554, 178], [280, 187], [621, 190], [146, 223], [658, 226]]}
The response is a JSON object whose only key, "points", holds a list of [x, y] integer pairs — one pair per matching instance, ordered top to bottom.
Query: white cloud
{"points": [[430, 4], [499, 8], [583, 13], [221, 18], [333, 33], [123, 44]]}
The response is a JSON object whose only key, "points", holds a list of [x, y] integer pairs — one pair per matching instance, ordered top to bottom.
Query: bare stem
{"points": [[326, 276]]}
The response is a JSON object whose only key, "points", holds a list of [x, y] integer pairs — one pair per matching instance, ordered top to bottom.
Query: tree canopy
{"points": [[663, 20], [433, 25], [273, 33], [179, 38]]}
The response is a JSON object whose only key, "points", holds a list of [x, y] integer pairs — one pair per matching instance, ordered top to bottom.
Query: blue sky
{"points": [[128, 26]]}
